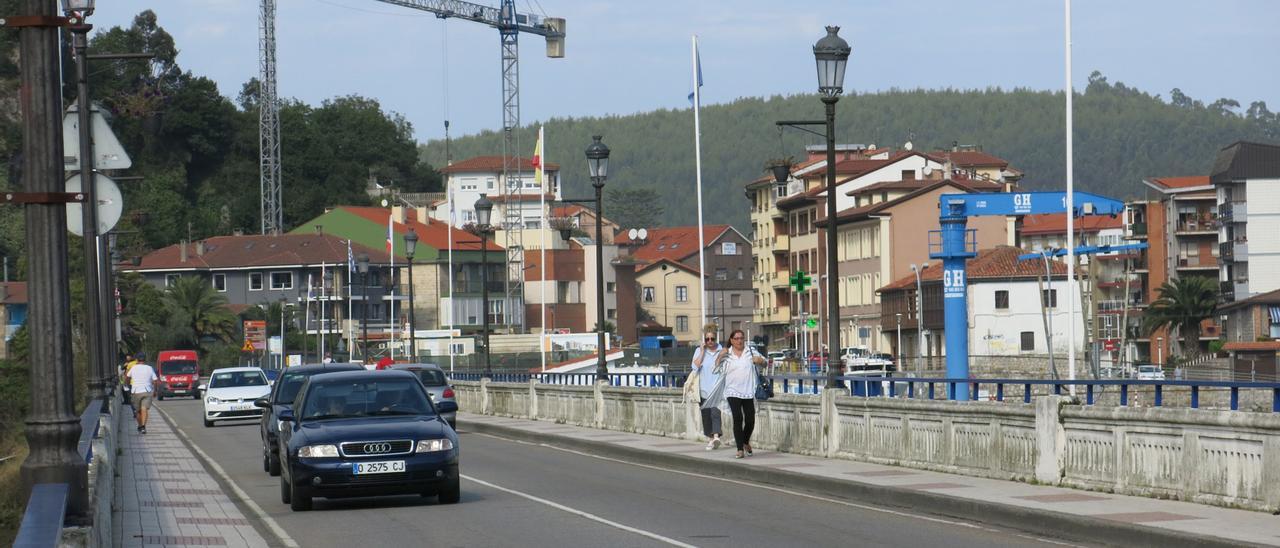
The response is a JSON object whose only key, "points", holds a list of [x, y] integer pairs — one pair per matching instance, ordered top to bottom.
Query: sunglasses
{"points": [[710, 339]]}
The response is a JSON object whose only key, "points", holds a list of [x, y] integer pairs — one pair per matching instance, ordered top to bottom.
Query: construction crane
{"points": [[509, 24], [269, 184]]}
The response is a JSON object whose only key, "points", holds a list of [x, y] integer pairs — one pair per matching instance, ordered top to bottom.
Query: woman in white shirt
{"points": [[740, 378]]}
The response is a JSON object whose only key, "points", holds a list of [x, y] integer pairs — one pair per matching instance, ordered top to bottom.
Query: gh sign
{"points": [[953, 285]]}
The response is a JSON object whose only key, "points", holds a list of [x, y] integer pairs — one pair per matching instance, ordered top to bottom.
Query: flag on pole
{"points": [[697, 70], [537, 163], [391, 256], [351, 261]]}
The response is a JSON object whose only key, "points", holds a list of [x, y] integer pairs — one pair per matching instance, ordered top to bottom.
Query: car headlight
{"points": [[212, 399], [279, 426], [433, 446], [312, 451]]}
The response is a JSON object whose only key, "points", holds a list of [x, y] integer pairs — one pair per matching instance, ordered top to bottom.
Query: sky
{"points": [[627, 56]]}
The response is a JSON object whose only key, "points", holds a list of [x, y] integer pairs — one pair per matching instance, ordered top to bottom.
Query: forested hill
{"points": [[1122, 135]]}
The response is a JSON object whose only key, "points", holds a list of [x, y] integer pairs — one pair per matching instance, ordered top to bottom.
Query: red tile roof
{"points": [[968, 158], [491, 164], [1179, 182], [977, 185], [523, 197], [854, 214], [1056, 223], [434, 233], [673, 243], [257, 250], [1000, 262], [14, 293], [1268, 298], [1237, 346]]}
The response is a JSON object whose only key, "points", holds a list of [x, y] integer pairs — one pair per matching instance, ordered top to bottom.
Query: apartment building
{"points": [[466, 180], [1246, 183]]}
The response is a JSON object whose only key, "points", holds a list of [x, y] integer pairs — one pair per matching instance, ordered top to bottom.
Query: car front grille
{"points": [[241, 413], [383, 448]]}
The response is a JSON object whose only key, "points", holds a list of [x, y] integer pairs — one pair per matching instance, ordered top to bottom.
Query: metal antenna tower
{"points": [[269, 123]]}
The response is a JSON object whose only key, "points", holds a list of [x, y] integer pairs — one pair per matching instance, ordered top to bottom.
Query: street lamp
{"points": [[82, 7], [831, 54], [598, 163], [484, 213], [410, 246], [362, 266], [1046, 300], [919, 317], [1160, 351], [898, 358]]}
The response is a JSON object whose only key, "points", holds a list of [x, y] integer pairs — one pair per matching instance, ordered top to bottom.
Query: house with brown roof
{"points": [[466, 180], [728, 271], [1010, 302], [13, 312], [1252, 332]]}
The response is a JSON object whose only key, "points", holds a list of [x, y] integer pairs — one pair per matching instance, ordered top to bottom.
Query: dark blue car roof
{"points": [[317, 368], [363, 375]]}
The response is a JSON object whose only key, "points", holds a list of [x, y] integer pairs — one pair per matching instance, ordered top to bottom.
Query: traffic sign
{"points": [[107, 151], [110, 205], [801, 281], [812, 323], [255, 334], [248, 346]]}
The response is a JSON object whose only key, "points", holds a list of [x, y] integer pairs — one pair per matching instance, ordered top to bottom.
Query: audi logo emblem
{"points": [[374, 448]]}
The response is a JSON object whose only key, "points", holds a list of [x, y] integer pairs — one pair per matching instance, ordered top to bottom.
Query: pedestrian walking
{"points": [[328, 358], [129, 362], [704, 364], [738, 365], [142, 378]]}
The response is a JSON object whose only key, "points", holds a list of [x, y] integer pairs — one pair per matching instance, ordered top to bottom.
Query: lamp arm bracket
{"points": [[19, 21]]}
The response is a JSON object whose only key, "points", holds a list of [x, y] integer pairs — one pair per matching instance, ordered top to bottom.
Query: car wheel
{"points": [[195, 395], [208, 423], [266, 462], [273, 465], [451, 492], [286, 495], [300, 499]]}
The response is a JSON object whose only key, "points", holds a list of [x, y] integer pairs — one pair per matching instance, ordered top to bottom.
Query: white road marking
{"points": [[790, 492], [244, 497], [580, 513]]}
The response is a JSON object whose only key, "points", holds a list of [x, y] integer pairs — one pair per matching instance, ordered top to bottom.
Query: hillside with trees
{"points": [[1122, 136]]}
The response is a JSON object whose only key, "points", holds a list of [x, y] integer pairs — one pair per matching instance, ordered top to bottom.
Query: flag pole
{"points": [[697, 146], [449, 228], [1071, 244], [542, 253], [391, 256], [306, 320], [320, 328], [351, 333]]}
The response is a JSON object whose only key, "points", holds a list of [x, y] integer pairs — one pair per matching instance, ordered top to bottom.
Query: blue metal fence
{"points": [[927, 388], [47, 506]]}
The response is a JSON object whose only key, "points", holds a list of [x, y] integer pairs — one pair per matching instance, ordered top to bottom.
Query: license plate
{"points": [[242, 407], [382, 467]]}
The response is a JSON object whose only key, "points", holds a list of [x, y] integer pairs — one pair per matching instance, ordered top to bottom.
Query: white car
{"points": [[1150, 373], [230, 393]]}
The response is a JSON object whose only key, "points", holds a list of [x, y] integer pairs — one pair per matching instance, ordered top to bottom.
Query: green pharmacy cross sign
{"points": [[801, 281], [811, 323]]}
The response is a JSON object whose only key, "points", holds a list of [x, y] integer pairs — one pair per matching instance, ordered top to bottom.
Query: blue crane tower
{"points": [[955, 244]]}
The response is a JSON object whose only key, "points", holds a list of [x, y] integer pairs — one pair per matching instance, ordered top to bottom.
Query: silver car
{"points": [[437, 385]]}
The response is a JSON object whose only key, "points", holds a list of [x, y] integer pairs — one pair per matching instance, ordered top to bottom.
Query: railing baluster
{"points": [[911, 390], [1088, 390], [931, 391], [1000, 392], [1026, 393], [1124, 395], [1159, 395], [1195, 396], [1235, 398]]}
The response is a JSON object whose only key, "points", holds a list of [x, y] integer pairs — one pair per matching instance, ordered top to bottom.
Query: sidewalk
{"points": [[165, 497], [1088, 516]]}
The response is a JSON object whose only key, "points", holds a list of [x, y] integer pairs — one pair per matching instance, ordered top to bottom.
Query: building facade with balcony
{"points": [[466, 180], [1246, 185], [13, 312], [1252, 330]]}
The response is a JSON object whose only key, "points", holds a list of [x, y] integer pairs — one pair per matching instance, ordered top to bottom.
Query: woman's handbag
{"points": [[764, 390]]}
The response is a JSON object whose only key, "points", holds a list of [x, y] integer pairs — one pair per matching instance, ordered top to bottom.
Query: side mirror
{"points": [[202, 387], [262, 403], [286, 415]]}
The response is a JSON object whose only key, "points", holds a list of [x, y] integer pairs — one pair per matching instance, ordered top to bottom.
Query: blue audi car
{"points": [[365, 433]]}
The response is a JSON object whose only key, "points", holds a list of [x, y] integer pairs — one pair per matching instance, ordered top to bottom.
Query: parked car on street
{"points": [[1150, 373], [437, 385], [231, 392], [281, 398], [365, 433]]}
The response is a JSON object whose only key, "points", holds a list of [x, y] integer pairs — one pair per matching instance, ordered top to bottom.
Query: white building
{"points": [[1247, 178], [466, 180]]}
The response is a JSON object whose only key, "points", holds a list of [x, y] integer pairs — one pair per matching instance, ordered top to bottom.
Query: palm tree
{"points": [[1183, 304], [201, 308]]}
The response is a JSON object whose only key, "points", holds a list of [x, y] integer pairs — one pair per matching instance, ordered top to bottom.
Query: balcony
{"points": [[1233, 212], [1196, 227], [1135, 231], [781, 243], [1237, 250], [1197, 262], [779, 280], [474, 286]]}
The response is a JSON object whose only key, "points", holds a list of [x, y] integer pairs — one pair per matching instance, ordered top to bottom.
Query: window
{"points": [[908, 174], [468, 183], [488, 183], [728, 248], [722, 273], [741, 274], [171, 279], [281, 280], [255, 281], [220, 282], [611, 287], [682, 293], [646, 294], [1049, 298], [1002, 299], [735, 300], [375, 311], [611, 313], [682, 324], [1028, 341], [457, 349]]}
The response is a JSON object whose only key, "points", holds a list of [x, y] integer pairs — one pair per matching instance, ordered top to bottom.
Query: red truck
{"points": [[179, 372]]}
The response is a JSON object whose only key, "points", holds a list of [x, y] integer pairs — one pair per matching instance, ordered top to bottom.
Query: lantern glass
{"points": [[831, 54], [598, 158], [484, 211]]}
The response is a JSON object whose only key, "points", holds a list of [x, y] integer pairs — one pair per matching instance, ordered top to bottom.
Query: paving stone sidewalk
{"points": [[165, 497], [1233, 526]]}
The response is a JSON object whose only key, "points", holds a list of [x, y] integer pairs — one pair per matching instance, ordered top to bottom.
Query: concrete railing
{"points": [[1214, 457]]}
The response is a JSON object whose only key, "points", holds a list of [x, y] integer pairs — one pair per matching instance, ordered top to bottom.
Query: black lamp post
{"points": [[831, 54], [598, 162], [484, 212], [411, 245], [362, 266], [333, 316]]}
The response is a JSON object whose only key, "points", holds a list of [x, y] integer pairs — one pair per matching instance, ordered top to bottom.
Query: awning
{"points": [[1275, 314]]}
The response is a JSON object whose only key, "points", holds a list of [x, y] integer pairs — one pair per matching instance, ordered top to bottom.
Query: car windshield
{"points": [[178, 367], [1148, 368], [431, 377], [235, 379], [289, 386], [332, 400]]}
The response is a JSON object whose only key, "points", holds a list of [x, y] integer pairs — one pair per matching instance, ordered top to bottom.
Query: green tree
{"points": [[639, 207], [1183, 304], [197, 306]]}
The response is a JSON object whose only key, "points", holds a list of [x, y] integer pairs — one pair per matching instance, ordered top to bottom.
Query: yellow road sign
{"points": [[248, 346]]}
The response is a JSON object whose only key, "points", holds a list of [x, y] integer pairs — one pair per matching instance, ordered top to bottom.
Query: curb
{"points": [[240, 498], [1078, 528]]}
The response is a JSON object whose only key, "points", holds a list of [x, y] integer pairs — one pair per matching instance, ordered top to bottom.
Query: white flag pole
{"points": [[697, 146], [449, 201], [1071, 208], [391, 254], [542, 254], [306, 321], [320, 328]]}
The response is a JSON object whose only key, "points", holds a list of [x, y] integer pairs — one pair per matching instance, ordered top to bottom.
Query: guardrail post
{"points": [[598, 394], [1124, 395], [1159, 395], [1195, 396], [533, 398], [1235, 398], [486, 407], [830, 426], [1051, 439]]}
